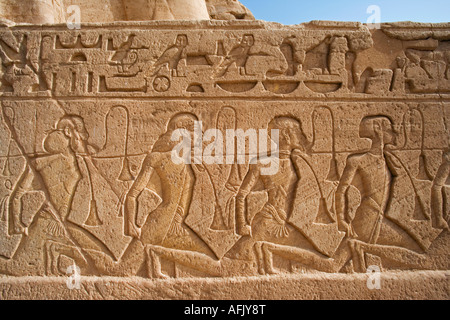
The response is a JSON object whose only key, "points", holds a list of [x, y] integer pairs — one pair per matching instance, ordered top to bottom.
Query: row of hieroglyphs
{"points": [[310, 60], [93, 183]]}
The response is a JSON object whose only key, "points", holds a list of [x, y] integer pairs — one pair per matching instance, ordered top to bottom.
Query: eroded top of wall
{"points": [[55, 11]]}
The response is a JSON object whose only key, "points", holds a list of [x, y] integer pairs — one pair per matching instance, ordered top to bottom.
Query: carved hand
{"points": [[344, 227], [133, 230], [244, 230]]}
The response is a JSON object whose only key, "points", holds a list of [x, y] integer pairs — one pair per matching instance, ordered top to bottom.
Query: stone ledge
{"points": [[254, 24], [422, 285]]}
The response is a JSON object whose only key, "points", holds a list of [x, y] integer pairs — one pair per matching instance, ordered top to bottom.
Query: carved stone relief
{"points": [[87, 175]]}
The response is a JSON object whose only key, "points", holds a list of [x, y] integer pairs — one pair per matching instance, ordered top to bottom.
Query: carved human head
{"points": [[182, 121], [381, 127], [75, 129], [291, 134]]}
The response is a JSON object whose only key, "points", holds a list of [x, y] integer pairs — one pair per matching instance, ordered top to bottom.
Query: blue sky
{"points": [[298, 11]]}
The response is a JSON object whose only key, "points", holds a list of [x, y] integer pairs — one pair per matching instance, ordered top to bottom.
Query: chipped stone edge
{"points": [[404, 285]]}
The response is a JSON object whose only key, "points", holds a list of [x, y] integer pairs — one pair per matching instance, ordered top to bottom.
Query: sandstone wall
{"points": [[87, 176]]}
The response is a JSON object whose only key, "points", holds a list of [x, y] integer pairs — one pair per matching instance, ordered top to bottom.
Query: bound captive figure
{"points": [[373, 174], [176, 183], [280, 186], [440, 211], [369, 230], [164, 232]]}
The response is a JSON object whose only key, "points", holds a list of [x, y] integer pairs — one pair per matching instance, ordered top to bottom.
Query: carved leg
{"points": [[15, 205], [437, 208], [17, 226], [242, 227], [54, 250], [404, 256], [260, 258], [268, 258], [308, 258], [189, 259], [359, 262], [49, 264], [154, 265]]}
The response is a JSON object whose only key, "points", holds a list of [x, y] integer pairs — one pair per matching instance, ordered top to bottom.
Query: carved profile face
{"points": [[182, 121], [378, 127], [74, 128], [291, 135]]}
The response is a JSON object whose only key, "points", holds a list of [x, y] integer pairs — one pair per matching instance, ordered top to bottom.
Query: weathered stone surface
{"points": [[228, 10], [30, 11], [56, 11], [87, 177], [396, 286]]}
